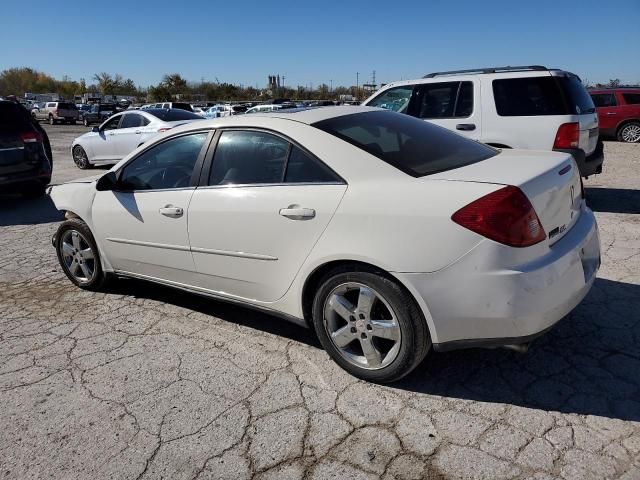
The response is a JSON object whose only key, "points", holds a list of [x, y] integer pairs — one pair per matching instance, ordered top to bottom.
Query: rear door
{"points": [[450, 105], [608, 111], [265, 205]]}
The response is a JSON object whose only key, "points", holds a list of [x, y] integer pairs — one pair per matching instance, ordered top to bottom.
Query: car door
{"points": [[450, 105], [608, 110], [129, 134], [103, 144], [265, 204], [142, 223]]}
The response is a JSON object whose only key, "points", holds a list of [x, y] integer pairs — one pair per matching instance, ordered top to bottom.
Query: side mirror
{"points": [[95, 129], [107, 182]]}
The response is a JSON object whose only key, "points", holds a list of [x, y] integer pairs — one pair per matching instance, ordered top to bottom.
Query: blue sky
{"points": [[319, 41]]}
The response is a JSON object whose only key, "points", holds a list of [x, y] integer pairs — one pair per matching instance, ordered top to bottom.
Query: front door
{"points": [[129, 134], [102, 143], [266, 204], [142, 224]]}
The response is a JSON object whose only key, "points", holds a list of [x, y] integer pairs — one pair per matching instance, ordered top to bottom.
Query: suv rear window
{"points": [[631, 98], [579, 99], [66, 106], [171, 115], [13, 117], [416, 147]]}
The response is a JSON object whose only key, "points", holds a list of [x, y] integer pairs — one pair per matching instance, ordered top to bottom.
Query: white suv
{"points": [[530, 107]]}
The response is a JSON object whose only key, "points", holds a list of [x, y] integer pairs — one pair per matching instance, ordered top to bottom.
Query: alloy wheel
{"points": [[631, 133], [80, 157], [78, 256], [362, 326]]}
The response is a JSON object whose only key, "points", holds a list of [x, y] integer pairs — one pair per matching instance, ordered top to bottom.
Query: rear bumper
{"points": [[588, 165], [478, 302]]}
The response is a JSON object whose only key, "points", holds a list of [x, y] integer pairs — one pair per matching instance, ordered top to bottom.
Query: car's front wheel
{"points": [[630, 133], [80, 158], [78, 255], [369, 324]]}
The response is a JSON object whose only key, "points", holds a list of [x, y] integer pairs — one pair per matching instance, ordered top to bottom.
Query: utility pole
{"points": [[373, 77], [357, 85], [283, 89]]}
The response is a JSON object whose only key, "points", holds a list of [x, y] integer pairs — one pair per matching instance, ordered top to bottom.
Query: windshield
{"points": [[171, 115], [414, 146]]}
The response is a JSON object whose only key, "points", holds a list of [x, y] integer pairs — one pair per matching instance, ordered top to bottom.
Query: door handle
{"points": [[466, 126], [138, 132], [171, 211], [296, 212]]}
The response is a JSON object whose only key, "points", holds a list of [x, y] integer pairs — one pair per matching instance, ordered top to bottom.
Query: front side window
{"points": [[533, 96], [631, 98], [395, 99], [604, 99], [443, 100], [111, 124], [411, 145], [248, 157], [169, 164]]}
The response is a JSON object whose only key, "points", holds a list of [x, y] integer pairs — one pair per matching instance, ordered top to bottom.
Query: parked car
{"points": [[180, 105], [530, 107], [264, 108], [82, 109], [224, 111], [56, 112], [619, 112], [98, 113], [123, 132], [26, 162], [386, 234]]}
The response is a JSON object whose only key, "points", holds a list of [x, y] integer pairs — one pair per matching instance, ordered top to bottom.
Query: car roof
{"points": [[614, 89]]}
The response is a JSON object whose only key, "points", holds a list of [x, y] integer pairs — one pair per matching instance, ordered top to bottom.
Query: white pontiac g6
{"points": [[387, 235]]}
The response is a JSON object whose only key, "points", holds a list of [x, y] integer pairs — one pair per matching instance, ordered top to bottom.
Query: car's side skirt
{"points": [[213, 295]]}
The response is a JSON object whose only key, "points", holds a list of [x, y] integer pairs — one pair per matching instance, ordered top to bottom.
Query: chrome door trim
{"points": [[149, 244], [230, 253]]}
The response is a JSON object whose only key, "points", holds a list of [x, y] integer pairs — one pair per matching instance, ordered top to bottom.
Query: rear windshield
{"points": [[577, 96], [67, 106], [107, 107], [171, 115], [13, 117], [414, 146]]}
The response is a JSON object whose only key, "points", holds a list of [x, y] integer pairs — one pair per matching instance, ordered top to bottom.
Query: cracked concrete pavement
{"points": [[146, 382]]}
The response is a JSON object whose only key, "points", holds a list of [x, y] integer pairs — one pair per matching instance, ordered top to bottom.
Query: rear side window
{"points": [[534, 96], [577, 97], [631, 98], [395, 99], [604, 99], [442, 100], [417, 148]]}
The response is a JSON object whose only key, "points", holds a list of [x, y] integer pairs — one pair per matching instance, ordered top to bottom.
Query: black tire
{"points": [[52, 121], [72, 122], [85, 122], [623, 132], [80, 158], [35, 191], [99, 279], [415, 340]]}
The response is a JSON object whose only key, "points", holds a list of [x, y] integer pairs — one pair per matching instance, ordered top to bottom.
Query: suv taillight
{"points": [[568, 136], [31, 137], [505, 216]]}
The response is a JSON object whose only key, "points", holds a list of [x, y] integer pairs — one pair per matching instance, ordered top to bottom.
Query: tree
{"points": [[105, 82], [614, 83]]}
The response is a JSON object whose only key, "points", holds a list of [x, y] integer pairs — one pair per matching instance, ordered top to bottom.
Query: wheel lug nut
{"points": [[362, 316], [352, 318], [369, 327], [354, 329], [364, 335]]}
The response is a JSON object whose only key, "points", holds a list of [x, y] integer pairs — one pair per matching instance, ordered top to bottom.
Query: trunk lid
{"points": [[550, 180]]}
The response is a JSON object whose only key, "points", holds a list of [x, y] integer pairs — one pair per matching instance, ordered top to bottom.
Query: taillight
{"points": [[163, 129], [568, 136], [31, 137], [505, 216]]}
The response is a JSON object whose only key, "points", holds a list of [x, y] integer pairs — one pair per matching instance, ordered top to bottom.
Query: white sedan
{"points": [[122, 133], [389, 236]]}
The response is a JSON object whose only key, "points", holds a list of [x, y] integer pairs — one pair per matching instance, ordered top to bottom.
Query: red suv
{"points": [[618, 112]]}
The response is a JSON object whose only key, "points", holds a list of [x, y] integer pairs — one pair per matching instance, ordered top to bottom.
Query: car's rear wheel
{"points": [[52, 121], [85, 122], [629, 133], [80, 158], [78, 255], [369, 324]]}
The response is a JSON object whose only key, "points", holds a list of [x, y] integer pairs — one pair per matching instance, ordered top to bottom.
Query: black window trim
{"points": [[455, 103], [626, 103], [208, 162], [197, 168]]}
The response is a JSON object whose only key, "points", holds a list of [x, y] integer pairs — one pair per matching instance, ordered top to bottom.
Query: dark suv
{"points": [[618, 112], [98, 113], [25, 152]]}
